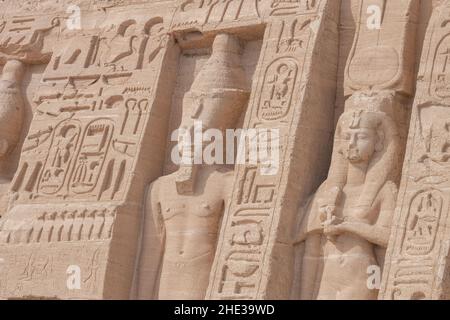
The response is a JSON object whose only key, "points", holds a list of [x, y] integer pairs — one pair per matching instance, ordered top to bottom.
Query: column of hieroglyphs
{"points": [[294, 93], [95, 140], [345, 226], [417, 258]]}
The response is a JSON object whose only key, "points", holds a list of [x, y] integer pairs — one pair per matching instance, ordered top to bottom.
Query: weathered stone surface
{"points": [[236, 149], [417, 265]]}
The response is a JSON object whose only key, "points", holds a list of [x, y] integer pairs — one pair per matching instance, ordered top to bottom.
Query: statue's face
{"points": [[360, 144]]}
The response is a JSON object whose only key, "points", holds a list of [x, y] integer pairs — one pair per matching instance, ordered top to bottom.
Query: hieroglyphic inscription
{"points": [[293, 7], [199, 13], [22, 38], [95, 108], [252, 213], [62, 226], [418, 244], [36, 271]]}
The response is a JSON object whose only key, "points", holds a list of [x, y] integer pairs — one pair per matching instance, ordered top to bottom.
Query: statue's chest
{"points": [[350, 200], [207, 204]]}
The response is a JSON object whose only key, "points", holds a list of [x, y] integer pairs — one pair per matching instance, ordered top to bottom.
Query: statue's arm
{"points": [[387, 210], [313, 213], [379, 232], [302, 234], [375, 234], [152, 246]]}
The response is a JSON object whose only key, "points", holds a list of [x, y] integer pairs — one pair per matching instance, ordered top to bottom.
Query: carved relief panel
{"points": [[22, 38], [24, 46], [95, 107], [85, 160]]}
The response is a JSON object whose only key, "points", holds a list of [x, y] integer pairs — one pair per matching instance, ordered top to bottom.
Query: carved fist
{"points": [[327, 213], [332, 230]]}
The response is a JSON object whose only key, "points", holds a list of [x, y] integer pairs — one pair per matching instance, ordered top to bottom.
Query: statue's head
{"points": [[220, 90], [216, 101], [366, 129], [362, 135], [367, 137]]}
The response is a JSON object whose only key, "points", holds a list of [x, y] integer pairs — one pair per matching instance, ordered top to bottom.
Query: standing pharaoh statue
{"points": [[11, 106], [11, 117], [183, 210], [345, 226]]}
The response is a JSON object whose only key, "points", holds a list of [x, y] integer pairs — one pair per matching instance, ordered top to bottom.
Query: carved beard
{"points": [[186, 178]]}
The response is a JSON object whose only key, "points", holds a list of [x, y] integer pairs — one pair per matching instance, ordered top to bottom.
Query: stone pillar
{"points": [[294, 94], [344, 227], [417, 265]]}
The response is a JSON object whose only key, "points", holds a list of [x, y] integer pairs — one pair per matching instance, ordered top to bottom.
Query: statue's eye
{"points": [[362, 136]]}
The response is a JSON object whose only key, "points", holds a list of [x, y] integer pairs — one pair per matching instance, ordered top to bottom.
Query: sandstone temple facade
{"points": [[350, 97]]}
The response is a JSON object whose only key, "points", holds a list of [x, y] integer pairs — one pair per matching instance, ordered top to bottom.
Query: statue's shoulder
{"points": [[8, 86], [223, 172], [223, 176], [154, 187]]}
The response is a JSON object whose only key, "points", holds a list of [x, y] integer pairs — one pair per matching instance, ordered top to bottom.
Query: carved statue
{"points": [[11, 105], [11, 117], [183, 210], [346, 225]]}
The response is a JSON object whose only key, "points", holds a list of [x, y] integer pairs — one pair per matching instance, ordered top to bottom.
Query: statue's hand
{"points": [[327, 212], [333, 230]]}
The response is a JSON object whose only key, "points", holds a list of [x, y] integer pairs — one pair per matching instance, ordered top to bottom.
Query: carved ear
{"points": [[4, 146]]}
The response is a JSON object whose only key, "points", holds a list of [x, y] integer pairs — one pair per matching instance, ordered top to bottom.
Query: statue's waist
{"points": [[349, 244]]}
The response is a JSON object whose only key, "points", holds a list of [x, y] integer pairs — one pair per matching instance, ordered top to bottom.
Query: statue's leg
{"points": [[310, 264]]}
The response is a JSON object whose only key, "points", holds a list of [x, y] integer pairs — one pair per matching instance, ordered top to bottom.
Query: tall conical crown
{"points": [[223, 70]]}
